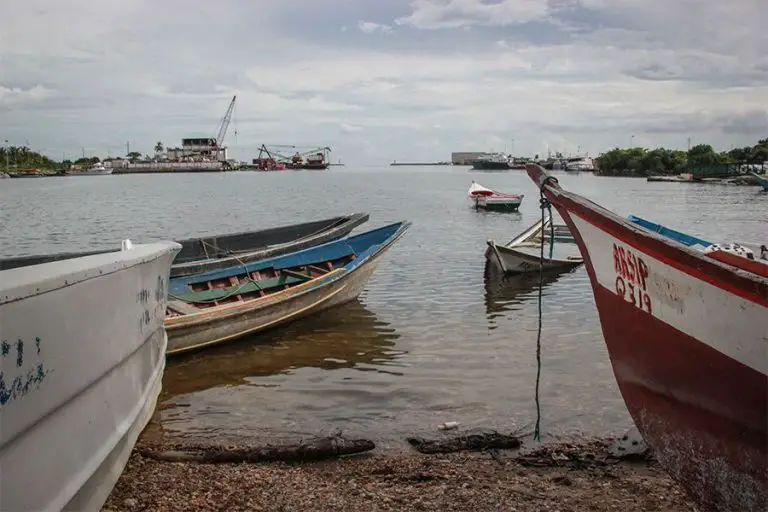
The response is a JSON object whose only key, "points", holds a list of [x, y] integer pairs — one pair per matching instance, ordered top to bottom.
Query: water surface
{"points": [[433, 337]]}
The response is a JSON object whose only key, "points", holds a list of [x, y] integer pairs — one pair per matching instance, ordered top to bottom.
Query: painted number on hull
{"points": [[631, 278], [21, 370]]}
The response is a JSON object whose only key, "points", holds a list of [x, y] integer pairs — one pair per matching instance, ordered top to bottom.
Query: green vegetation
{"points": [[21, 157], [641, 162]]}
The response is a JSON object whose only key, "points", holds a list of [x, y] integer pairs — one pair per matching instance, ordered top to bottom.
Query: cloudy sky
{"points": [[386, 79]]}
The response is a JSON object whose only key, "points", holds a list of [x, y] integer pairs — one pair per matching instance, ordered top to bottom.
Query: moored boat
{"points": [[492, 162], [96, 169], [492, 200], [523, 253], [204, 254], [223, 305], [687, 335], [83, 354]]}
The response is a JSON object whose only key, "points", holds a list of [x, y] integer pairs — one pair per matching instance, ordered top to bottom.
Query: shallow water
{"points": [[433, 337]]}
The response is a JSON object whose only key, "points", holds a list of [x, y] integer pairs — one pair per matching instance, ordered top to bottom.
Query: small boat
{"points": [[96, 169], [761, 180], [491, 200], [210, 253], [523, 253], [219, 306], [686, 333], [82, 360]]}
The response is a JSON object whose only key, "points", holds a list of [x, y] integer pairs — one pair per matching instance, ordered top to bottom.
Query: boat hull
{"points": [[490, 166], [502, 204], [512, 261], [227, 323], [687, 341], [82, 382]]}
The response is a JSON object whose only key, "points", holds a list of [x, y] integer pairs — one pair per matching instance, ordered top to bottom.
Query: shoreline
{"points": [[578, 476]]}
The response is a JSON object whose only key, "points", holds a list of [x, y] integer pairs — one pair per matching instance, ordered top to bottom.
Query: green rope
{"points": [[551, 234]]}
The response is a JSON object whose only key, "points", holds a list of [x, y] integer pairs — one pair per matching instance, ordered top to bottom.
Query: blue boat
{"points": [[761, 180], [222, 305]]}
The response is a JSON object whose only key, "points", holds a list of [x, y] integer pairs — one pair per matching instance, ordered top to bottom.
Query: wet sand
{"points": [[563, 477]]}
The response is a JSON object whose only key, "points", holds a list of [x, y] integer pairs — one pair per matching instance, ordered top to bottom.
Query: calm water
{"points": [[431, 339]]}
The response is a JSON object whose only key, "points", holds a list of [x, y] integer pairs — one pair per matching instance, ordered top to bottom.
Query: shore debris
{"points": [[467, 442], [314, 450]]}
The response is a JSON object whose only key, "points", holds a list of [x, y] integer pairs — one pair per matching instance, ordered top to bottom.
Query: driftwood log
{"points": [[469, 442], [314, 450]]}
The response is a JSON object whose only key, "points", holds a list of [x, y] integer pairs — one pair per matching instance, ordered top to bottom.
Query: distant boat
{"points": [[492, 161], [96, 169], [761, 180], [491, 200], [523, 253], [204, 254], [216, 307], [686, 334], [83, 355]]}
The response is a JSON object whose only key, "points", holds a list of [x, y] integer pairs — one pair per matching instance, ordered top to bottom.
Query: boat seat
{"points": [[238, 289], [182, 307]]}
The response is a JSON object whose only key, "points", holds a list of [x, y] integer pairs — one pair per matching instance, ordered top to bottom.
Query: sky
{"points": [[376, 81]]}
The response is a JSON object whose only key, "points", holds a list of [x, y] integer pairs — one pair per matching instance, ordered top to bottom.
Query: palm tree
{"points": [[159, 147]]}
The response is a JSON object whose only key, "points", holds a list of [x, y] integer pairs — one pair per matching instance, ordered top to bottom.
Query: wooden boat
{"points": [[761, 180], [491, 200], [523, 253], [204, 254], [214, 307], [687, 335], [82, 360]]}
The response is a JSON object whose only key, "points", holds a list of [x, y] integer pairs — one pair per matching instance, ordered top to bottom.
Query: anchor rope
{"points": [[544, 204]]}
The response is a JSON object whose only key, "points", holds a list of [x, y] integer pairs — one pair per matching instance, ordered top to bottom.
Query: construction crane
{"points": [[219, 140]]}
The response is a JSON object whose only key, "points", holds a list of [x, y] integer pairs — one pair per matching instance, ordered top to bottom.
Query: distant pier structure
{"points": [[465, 157]]}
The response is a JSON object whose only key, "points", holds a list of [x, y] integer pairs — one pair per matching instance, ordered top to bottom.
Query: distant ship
{"points": [[491, 161]]}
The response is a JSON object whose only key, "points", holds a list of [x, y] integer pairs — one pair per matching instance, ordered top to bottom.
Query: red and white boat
{"points": [[492, 200], [687, 335]]}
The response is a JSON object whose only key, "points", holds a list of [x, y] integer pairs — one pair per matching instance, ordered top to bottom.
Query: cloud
{"points": [[447, 14], [368, 27], [559, 74]]}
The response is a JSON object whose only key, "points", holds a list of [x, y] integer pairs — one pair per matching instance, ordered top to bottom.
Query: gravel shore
{"points": [[563, 477]]}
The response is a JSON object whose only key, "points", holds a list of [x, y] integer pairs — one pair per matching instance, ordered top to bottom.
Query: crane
{"points": [[219, 140]]}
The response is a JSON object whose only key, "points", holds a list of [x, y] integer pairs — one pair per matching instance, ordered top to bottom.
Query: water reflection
{"points": [[505, 293], [349, 336]]}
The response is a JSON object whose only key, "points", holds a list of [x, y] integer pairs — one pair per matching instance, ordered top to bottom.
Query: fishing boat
{"points": [[492, 162], [761, 180], [491, 200], [523, 253], [204, 254], [223, 305], [687, 335], [82, 360]]}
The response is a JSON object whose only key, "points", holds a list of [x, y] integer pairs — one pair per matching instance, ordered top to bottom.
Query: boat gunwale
{"points": [[63, 273]]}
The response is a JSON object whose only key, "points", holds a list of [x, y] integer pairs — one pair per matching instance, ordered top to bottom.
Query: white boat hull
{"points": [[512, 261], [82, 364]]}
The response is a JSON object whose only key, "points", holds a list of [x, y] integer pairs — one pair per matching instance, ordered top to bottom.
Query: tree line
{"points": [[649, 162]]}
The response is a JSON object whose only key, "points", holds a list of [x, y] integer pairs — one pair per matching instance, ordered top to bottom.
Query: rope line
{"points": [[544, 204]]}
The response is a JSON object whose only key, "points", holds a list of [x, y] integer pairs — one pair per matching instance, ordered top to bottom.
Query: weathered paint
{"points": [[84, 325], [692, 368], [14, 385]]}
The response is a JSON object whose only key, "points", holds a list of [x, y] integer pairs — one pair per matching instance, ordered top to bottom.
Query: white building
{"points": [[196, 150]]}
